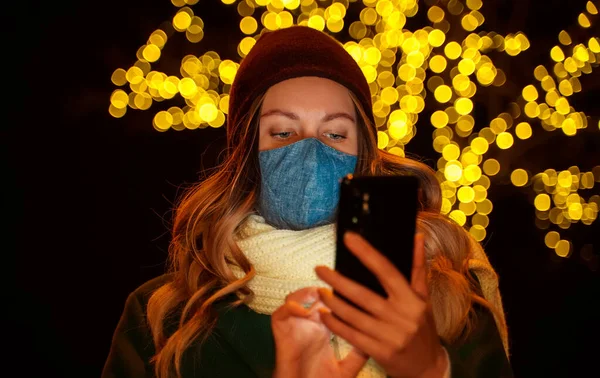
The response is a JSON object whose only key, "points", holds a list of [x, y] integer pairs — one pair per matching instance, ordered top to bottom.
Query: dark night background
{"points": [[92, 194]]}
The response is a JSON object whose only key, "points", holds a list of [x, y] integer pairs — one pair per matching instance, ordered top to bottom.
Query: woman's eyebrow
{"points": [[289, 115], [294, 116], [331, 117]]}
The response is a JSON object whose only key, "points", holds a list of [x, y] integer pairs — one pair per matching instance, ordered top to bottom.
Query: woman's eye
{"points": [[282, 135], [334, 136]]}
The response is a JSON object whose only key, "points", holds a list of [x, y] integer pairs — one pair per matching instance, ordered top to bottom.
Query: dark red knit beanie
{"points": [[288, 53]]}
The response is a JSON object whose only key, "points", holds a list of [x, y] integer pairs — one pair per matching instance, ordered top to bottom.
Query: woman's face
{"points": [[308, 107]]}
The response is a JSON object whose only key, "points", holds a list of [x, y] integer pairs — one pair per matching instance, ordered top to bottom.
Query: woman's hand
{"points": [[398, 332], [302, 341]]}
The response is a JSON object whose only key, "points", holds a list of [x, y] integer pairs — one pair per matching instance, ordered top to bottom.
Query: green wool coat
{"points": [[242, 345]]}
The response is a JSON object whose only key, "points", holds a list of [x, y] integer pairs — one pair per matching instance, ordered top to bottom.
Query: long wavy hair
{"points": [[206, 218]]}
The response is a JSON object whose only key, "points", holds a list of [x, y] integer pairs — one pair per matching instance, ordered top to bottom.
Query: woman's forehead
{"points": [[308, 93]]}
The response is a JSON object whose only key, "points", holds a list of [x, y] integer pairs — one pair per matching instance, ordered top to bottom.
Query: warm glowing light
{"points": [[437, 70], [443, 93], [439, 119], [523, 130], [504, 140], [491, 167], [519, 177], [542, 202], [563, 248]]}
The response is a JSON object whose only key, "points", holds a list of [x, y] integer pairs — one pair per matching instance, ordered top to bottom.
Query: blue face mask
{"points": [[300, 183]]}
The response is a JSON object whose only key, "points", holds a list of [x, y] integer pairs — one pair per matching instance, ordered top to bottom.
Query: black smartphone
{"points": [[383, 209]]}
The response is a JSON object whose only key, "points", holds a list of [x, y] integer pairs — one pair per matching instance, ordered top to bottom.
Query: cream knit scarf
{"points": [[285, 260]]}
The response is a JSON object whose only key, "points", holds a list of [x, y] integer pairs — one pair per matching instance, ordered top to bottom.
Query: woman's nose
{"points": [[309, 131]]}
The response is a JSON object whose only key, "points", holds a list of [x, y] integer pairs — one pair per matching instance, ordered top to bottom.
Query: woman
{"points": [[249, 292]]}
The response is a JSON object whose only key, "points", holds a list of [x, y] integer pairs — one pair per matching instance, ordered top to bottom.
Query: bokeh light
{"points": [[436, 70]]}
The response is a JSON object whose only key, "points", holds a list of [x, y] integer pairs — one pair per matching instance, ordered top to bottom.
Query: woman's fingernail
{"points": [[351, 236], [325, 293], [324, 311]]}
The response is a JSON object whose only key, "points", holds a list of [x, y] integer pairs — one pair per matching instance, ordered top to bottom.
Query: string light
{"points": [[405, 70]]}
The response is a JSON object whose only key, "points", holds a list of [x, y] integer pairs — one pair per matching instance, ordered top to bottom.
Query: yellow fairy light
{"points": [[435, 14], [369, 16], [182, 20], [583, 20], [317, 22], [469, 22], [248, 25], [334, 25], [436, 38], [564, 38], [246, 45], [594, 45], [452, 50], [581, 53], [557, 54], [395, 61], [437, 63], [466, 67], [486, 74], [134, 75], [118, 77], [461, 82], [171, 85], [565, 88], [530, 93], [443, 94], [389, 95], [119, 99], [143, 101], [463, 106], [562, 106], [208, 112], [439, 118], [163, 120], [465, 124], [498, 125], [569, 127], [523, 130], [382, 140], [504, 140], [479, 146], [451, 152], [491, 167], [453, 171], [472, 172], [519, 177], [565, 179], [483, 182], [465, 194], [542, 202], [485, 207], [458, 216], [480, 220], [478, 231], [551, 239], [563, 248]]}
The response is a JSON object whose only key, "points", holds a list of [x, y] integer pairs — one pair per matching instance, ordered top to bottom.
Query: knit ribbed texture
{"points": [[284, 261]]}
